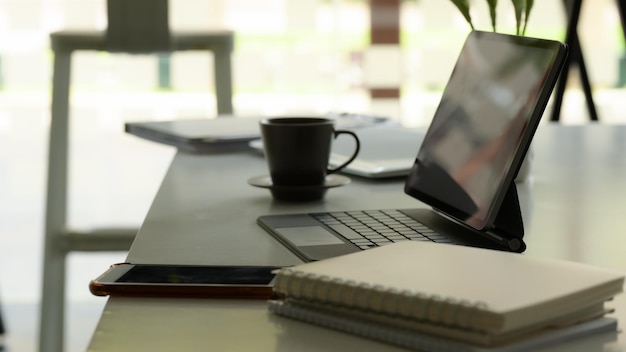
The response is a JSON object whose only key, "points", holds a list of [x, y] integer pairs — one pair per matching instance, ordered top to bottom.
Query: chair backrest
{"points": [[138, 26]]}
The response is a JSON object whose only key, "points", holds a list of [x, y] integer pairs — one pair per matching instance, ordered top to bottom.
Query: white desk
{"points": [[205, 213]]}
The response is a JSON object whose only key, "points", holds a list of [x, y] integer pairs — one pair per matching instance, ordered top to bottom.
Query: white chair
{"points": [[135, 27]]}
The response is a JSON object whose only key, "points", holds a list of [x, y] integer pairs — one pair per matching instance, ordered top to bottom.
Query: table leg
{"points": [[572, 7]]}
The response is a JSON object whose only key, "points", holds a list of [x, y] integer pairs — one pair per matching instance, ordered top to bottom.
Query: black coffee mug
{"points": [[297, 149]]}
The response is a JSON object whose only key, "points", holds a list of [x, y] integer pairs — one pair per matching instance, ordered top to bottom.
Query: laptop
{"points": [[201, 135], [464, 169]]}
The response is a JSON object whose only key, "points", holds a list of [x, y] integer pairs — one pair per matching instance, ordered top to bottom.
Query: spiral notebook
{"points": [[470, 295], [424, 342]]}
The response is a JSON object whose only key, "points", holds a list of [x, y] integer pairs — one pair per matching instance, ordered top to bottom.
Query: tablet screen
{"points": [[488, 113]]}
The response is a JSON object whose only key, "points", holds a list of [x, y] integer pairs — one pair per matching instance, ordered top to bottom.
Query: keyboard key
{"points": [[346, 232], [416, 236], [375, 237], [401, 239], [424, 239]]}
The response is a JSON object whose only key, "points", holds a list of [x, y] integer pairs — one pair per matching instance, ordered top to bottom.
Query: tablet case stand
{"points": [[508, 223]]}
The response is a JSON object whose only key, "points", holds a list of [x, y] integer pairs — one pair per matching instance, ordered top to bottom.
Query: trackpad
{"points": [[308, 236]]}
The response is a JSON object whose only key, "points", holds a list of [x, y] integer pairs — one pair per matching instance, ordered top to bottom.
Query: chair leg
{"points": [[164, 71], [223, 83], [53, 289], [52, 321], [2, 328], [2, 332]]}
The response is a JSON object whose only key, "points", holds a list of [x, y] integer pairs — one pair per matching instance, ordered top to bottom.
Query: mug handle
{"points": [[354, 155]]}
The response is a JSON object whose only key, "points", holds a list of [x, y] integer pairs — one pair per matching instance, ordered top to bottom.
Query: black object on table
{"points": [[572, 8]]}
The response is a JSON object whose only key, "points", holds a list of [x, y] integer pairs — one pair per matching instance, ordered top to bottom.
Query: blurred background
{"points": [[291, 56]]}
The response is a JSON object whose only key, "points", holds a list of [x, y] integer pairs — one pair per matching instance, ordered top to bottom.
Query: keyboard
{"points": [[367, 229]]}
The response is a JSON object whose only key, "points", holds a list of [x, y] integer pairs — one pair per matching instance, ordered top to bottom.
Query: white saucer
{"points": [[299, 193]]}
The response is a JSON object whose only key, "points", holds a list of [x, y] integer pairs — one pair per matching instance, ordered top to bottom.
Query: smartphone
{"points": [[249, 282]]}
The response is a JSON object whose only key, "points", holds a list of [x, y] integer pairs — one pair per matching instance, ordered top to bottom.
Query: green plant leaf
{"points": [[520, 6], [529, 6], [464, 7], [492, 11]]}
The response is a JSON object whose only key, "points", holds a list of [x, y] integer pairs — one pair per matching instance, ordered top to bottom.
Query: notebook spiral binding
{"points": [[418, 306]]}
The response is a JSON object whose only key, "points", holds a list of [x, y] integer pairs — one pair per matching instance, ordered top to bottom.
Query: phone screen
{"points": [[224, 275]]}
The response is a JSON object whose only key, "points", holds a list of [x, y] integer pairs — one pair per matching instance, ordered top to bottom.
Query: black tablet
{"points": [[484, 124], [467, 162]]}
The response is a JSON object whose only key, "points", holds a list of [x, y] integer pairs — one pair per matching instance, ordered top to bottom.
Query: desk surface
{"points": [[205, 212]]}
